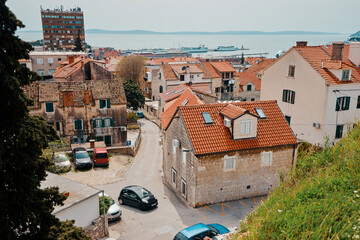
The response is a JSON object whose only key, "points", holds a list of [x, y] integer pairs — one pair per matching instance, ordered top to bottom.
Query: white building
{"points": [[317, 88]]}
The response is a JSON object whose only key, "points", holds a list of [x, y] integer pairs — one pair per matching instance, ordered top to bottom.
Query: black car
{"points": [[137, 196]]}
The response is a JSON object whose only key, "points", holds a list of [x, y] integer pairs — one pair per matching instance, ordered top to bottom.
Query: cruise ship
{"points": [[226, 48], [200, 49]]}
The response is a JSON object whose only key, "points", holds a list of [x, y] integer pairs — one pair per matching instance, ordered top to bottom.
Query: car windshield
{"points": [[80, 155], [101, 155], [61, 158], [142, 192], [214, 229]]}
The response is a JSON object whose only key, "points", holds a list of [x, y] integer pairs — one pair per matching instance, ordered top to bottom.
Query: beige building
{"points": [[46, 63], [317, 89], [226, 151]]}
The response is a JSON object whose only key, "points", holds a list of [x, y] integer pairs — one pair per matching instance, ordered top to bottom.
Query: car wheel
{"points": [[121, 202], [142, 207]]}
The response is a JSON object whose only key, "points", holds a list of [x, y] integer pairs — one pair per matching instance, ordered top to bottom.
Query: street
{"points": [[171, 215]]}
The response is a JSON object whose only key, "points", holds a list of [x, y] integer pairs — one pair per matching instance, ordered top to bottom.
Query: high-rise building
{"points": [[61, 28]]}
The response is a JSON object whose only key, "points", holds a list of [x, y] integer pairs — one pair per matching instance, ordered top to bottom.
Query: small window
{"points": [[59, 59], [39, 61], [50, 61], [291, 70], [51, 71], [41, 72], [345, 75], [191, 76], [182, 77], [248, 88], [161, 89], [288, 96], [244, 99], [253, 99], [358, 102], [104, 103], [342, 103], [49, 107], [260, 112], [207, 118], [288, 119], [107, 122], [98, 123], [78, 124], [57, 126], [245, 127], [339, 131], [184, 155], [266, 159], [229, 163], [173, 176], [183, 188]]}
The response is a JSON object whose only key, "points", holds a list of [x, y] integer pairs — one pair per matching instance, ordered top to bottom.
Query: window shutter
{"points": [[284, 96], [292, 97], [101, 103], [347, 103], [108, 104], [337, 104], [49, 107], [111, 122], [94, 123], [102, 123], [248, 127], [242, 128]]}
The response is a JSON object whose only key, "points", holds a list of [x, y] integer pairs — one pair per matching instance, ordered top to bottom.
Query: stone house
{"points": [[250, 85], [317, 89], [79, 110], [226, 151]]}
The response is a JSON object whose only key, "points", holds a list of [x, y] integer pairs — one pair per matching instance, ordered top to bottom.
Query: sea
{"points": [[265, 45]]}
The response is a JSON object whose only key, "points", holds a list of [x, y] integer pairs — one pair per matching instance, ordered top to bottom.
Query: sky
{"points": [[341, 16]]}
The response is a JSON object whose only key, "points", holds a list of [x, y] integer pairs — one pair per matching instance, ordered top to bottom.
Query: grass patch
{"points": [[319, 199]]}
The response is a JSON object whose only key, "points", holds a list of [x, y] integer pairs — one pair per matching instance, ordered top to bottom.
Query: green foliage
{"points": [[37, 43], [78, 44], [133, 93], [132, 117], [320, 199], [107, 201], [25, 208], [66, 230]]}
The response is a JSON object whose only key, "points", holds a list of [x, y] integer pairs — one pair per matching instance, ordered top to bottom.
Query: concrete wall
{"points": [[83, 212]]}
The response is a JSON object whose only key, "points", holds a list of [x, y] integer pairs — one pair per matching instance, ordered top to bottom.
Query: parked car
{"points": [[140, 114], [101, 157], [82, 158], [61, 160], [137, 196], [114, 212], [200, 231]]}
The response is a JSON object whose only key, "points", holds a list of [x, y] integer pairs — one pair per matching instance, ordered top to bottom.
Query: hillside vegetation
{"points": [[320, 198]]}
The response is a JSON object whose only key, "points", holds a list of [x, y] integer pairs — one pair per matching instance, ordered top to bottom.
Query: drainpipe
{"points": [[103, 199]]}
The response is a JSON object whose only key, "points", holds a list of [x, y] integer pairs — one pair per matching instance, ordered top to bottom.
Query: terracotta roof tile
{"points": [[254, 60], [159, 61], [223, 66], [209, 67], [192, 68], [257, 68], [168, 72], [246, 77], [173, 92], [187, 98], [231, 111], [215, 138]]}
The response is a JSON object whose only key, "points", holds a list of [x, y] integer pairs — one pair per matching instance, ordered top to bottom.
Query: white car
{"points": [[61, 160], [114, 212]]}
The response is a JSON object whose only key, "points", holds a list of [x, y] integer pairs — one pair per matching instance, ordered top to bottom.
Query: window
{"points": [[59, 59], [39, 61], [50, 61], [291, 70], [51, 71], [41, 72], [345, 75], [182, 77], [191, 77], [248, 87], [161, 89], [217, 90], [288, 96], [253, 99], [358, 102], [104, 103], [342, 103], [49, 107], [260, 112], [207, 118], [288, 119], [107, 122], [97, 123], [78, 124], [57, 126], [245, 127], [339, 131], [184, 155], [266, 159], [229, 163], [173, 176], [183, 187]]}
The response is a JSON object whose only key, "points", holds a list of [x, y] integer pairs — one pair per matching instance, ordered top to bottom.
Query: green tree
{"points": [[78, 44], [133, 93], [107, 201], [25, 207], [66, 230]]}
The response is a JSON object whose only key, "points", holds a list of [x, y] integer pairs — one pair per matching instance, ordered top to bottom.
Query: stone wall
{"points": [[97, 229]]}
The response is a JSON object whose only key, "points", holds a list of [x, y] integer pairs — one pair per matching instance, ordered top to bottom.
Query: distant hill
{"points": [[102, 31]]}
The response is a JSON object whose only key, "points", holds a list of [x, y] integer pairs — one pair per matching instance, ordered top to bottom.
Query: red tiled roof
{"points": [[317, 55], [254, 60], [159, 61], [223, 66], [192, 68], [202, 68], [256, 68], [69, 69], [211, 70], [168, 72], [246, 77], [205, 89], [178, 90], [187, 98], [231, 111], [215, 138]]}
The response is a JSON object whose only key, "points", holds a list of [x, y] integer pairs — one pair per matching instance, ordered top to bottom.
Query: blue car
{"points": [[200, 231]]}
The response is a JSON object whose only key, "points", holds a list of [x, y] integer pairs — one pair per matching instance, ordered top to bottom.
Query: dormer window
{"points": [[345, 76], [182, 77], [245, 127]]}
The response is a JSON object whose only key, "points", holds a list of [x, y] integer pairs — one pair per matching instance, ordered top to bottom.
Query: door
{"points": [[108, 141]]}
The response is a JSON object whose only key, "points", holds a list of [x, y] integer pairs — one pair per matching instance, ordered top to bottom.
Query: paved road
{"points": [[171, 215]]}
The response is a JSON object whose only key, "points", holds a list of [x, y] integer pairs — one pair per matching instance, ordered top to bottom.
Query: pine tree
{"points": [[78, 45], [25, 208]]}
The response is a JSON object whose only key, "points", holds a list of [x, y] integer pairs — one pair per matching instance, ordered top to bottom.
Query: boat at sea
{"points": [[226, 48], [199, 49]]}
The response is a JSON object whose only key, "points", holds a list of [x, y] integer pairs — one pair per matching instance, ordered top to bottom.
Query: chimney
{"points": [[301, 43], [337, 51], [354, 53], [71, 59], [92, 142]]}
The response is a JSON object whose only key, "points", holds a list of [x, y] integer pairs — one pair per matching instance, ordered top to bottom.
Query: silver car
{"points": [[82, 159], [62, 161], [114, 212]]}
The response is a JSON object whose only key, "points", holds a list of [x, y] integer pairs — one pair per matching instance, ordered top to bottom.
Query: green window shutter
{"points": [[284, 95], [292, 97], [102, 103], [347, 103], [108, 104], [337, 104], [49, 107], [111, 122], [94, 123], [102, 123], [78, 124], [57, 125]]}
